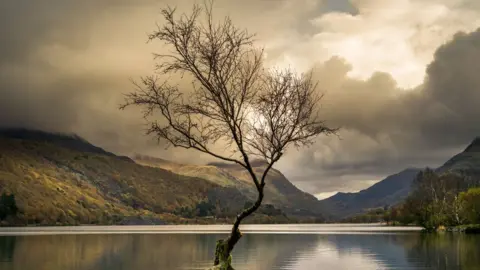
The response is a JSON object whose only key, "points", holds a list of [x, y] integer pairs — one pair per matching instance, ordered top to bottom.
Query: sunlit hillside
{"points": [[62, 179], [278, 190]]}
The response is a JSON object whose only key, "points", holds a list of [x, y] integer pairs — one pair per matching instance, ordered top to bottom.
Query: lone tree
{"points": [[256, 113]]}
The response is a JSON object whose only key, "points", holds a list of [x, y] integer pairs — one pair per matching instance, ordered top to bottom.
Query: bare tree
{"points": [[255, 112], [435, 199]]}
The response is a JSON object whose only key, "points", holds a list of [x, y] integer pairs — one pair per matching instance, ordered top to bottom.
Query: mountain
{"points": [[69, 141], [466, 162], [62, 179], [395, 188], [279, 192], [388, 192]]}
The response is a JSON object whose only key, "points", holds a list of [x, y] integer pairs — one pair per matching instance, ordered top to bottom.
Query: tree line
{"points": [[445, 199]]}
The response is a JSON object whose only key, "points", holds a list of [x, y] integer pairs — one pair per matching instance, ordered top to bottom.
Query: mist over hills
{"points": [[67, 140]]}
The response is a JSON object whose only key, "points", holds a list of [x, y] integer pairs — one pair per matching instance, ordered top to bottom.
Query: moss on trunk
{"points": [[223, 250], [223, 257]]}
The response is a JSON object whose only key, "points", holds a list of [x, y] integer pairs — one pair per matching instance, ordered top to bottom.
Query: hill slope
{"points": [[466, 162], [63, 179], [56, 183], [393, 189], [279, 192], [388, 192]]}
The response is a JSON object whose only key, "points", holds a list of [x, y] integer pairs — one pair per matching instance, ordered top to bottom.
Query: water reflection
{"points": [[7, 248], [255, 251], [445, 251]]}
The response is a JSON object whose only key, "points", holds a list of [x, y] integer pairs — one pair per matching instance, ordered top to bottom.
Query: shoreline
{"points": [[211, 229], [466, 229]]}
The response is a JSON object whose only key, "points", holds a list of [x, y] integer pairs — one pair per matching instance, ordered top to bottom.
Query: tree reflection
{"points": [[7, 246], [446, 251], [255, 252]]}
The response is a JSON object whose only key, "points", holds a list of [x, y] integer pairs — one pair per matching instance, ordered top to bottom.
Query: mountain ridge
{"points": [[68, 140], [474, 146], [466, 162], [61, 179], [157, 190], [387, 192], [343, 205]]}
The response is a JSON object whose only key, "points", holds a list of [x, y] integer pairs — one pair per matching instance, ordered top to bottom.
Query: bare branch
{"points": [[235, 102]]}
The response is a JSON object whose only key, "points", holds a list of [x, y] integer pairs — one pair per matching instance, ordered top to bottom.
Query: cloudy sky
{"points": [[401, 77]]}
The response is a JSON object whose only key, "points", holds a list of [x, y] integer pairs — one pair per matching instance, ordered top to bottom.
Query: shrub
{"points": [[470, 201], [8, 206]]}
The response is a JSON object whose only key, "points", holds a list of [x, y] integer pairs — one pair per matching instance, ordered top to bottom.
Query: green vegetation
{"points": [[60, 180], [56, 185], [238, 190], [440, 200], [470, 202], [376, 215], [443, 251]]}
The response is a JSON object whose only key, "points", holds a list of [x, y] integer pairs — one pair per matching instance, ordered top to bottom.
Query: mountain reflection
{"points": [[254, 252]]}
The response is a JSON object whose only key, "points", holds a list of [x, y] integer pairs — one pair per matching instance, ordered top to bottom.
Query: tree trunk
{"points": [[223, 250]]}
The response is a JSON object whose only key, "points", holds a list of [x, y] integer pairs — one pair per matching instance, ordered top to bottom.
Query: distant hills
{"points": [[69, 141], [61, 179], [395, 188], [390, 191]]}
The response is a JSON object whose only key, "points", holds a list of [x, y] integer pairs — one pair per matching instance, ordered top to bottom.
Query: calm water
{"points": [[263, 247]]}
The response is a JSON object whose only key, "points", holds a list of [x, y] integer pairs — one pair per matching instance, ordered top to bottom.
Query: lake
{"points": [[263, 247]]}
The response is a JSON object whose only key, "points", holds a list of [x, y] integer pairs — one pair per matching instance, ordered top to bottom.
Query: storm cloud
{"points": [[400, 77], [385, 128]]}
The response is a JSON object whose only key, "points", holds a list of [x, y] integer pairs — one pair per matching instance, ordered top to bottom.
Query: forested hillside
{"points": [[57, 179], [446, 197]]}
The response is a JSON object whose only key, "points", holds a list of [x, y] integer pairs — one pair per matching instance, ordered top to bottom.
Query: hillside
{"points": [[466, 162], [62, 179], [395, 188], [390, 191], [279, 192]]}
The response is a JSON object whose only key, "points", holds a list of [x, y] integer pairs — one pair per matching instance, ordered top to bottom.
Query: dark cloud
{"points": [[28, 25], [64, 65], [41, 90], [386, 129]]}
